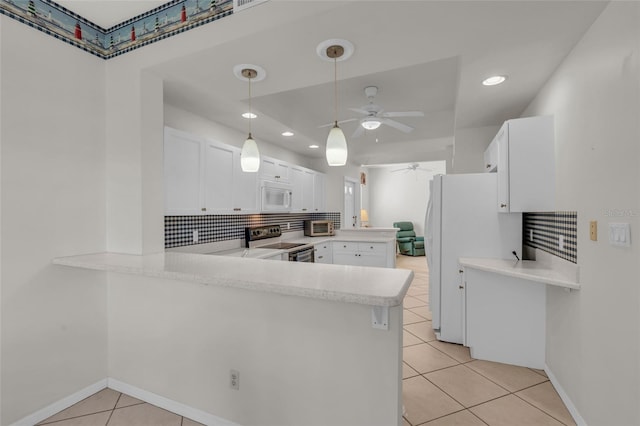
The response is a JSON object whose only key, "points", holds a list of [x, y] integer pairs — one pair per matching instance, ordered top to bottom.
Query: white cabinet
{"points": [[524, 149], [491, 158], [274, 170], [183, 173], [205, 177], [227, 188], [308, 190], [319, 194], [323, 253], [361, 254], [505, 318]]}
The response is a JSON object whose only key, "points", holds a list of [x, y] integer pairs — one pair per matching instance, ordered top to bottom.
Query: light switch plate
{"points": [[593, 230], [620, 234]]}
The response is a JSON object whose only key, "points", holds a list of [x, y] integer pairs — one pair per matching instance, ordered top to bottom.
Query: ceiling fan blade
{"points": [[359, 111], [403, 114], [339, 122], [397, 125], [358, 132]]}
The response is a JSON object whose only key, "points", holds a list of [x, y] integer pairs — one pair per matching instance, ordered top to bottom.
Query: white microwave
{"points": [[275, 196]]}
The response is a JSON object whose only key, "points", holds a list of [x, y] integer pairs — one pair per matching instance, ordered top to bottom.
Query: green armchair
{"points": [[408, 243]]}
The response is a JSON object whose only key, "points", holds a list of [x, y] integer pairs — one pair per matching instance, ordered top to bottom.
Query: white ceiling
{"points": [[107, 13], [422, 55]]}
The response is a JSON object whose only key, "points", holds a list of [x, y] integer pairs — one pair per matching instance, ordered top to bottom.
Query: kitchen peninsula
{"points": [[309, 340]]}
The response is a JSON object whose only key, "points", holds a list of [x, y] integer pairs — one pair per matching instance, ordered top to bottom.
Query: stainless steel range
{"points": [[270, 237]]}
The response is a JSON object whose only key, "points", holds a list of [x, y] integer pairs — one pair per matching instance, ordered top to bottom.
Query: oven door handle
{"points": [[305, 255]]}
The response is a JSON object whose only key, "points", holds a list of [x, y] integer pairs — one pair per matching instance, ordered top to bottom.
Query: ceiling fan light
{"points": [[370, 123], [336, 147], [250, 156]]}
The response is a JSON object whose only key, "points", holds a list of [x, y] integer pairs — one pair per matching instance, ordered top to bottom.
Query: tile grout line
{"points": [[114, 408], [538, 408]]}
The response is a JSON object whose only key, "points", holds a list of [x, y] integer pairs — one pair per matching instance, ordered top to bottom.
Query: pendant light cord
{"points": [[335, 89], [250, 110]]}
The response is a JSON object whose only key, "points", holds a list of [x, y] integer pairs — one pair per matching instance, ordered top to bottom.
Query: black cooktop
{"points": [[283, 246]]}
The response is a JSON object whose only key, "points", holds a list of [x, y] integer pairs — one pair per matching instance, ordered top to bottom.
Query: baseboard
{"points": [[565, 398], [168, 404], [60, 405]]}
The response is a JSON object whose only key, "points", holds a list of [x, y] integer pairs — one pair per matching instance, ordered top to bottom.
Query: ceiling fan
{"points": [[375, 116], [412, 168]]}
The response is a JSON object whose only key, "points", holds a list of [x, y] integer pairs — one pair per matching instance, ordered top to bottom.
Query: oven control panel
{"points": [[262, 232]]}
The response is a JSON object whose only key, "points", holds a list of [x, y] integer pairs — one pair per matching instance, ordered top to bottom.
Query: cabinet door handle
{"points": [[488, 166], [277, 177], [502, 205], [204, 209], [237, 209], [304, 210], [320, 257], [461, 287]]}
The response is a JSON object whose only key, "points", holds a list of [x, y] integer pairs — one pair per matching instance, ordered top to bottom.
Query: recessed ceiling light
{"points": [[493, 80], [249, 115], [287, 133], [314, 146]]}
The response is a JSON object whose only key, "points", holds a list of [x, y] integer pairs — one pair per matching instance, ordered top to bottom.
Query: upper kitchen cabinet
{"points": [[523, 150], [274, 170], [183, 173], [204, 177], [227, 189], [308, 190], [319, 193]]}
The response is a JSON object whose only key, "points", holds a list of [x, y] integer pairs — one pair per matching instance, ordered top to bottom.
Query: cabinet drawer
{"points": [[341, 246], [372, 248]]}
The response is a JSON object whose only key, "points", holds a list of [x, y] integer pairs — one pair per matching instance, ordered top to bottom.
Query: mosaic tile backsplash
{"points": [[546, 229], [178, 230]]}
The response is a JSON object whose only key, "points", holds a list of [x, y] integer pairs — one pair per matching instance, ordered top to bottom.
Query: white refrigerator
{"points": [[462, 221]]}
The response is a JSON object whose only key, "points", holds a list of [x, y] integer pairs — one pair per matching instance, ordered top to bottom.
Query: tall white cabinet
{"points": [[523, 155]]}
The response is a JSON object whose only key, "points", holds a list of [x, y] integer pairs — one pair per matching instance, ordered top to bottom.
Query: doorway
{"points": [[351, 203]]}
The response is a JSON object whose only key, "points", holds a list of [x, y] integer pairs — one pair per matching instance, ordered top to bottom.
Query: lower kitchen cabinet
{"points": [[323, 253], [362, 254], [504, 318]]}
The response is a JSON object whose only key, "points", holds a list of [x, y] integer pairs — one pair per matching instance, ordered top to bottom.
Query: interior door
{"points": [[351, 205]]}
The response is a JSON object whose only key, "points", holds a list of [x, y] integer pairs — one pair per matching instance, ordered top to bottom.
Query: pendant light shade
{"points": [[336, 147], [336, 150], [250, 156]]}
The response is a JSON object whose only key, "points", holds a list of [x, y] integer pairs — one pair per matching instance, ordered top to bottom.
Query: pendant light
{"points": [[334, 50], [336, 142], [250, 155]]}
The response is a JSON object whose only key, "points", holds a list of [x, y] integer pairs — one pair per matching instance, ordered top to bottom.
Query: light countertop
{"points": [[531, 270], [349, 284]]}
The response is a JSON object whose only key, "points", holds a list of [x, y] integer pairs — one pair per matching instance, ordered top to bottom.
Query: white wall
{"points": [[470, 144], [400, 196], [593, 334], [54, 335], [301, 361]]}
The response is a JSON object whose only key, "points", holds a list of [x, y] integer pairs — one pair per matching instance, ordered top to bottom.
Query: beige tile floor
{"points": [[444, 386], [111, 408]]}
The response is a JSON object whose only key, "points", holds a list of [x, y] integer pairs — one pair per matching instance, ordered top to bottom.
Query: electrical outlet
{"points": [[195, 236], [561, 242], [234, 379]]}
